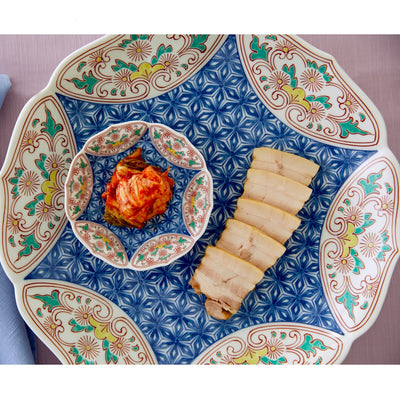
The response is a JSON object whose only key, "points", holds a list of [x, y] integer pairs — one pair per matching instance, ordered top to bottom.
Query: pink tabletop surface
{"points": [[372, 61]]}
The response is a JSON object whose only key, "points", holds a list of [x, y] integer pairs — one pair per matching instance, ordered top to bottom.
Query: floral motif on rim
{"points": [[128, 68], [308, 91], [116, 138], [176, 148], [33, 185], [78, 187], [197, 202], [360, 230], [101, 242], [149, 249], [161, 251], [84, 327], [275, 343]]}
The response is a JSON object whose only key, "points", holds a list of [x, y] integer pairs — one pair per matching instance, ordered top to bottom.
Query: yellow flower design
{"points": [[146, 71], [297, 96], [50, 186], [349, 240], [102, 330], [251, 356]]}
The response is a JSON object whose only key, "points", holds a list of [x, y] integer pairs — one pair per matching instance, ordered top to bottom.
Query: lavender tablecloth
{"points": [[16, 339]]}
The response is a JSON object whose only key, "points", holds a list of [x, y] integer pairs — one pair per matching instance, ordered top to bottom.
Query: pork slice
{"points": [[276, 190], [271, 220], [250, 244], [225, 261], [216, 290], [216, 309]]}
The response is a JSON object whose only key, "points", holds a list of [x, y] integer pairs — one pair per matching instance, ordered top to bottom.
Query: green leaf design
{"points": [[139, 37], [126, 42], [198, 42], [160, 51], [258, 51], [123, 65], [80, 66], [322, 69], [291, 71], [88, 82], [321, 99], [50, 126], [351, 127], [137, 131], [156, 134], [95, 148], [40, 163], [15, 180], [199, 181], [369, 184], [389, 189], [31, 206], [367, 222], [85, 227], [385, 237], [12, 241], [29, 243], [385, 247], [381, 255], [357, 261], [50, 301], [349, 301], [78, 328], [309, 345], [75, 351], [109, 355], [79, 358], [266, 360]]}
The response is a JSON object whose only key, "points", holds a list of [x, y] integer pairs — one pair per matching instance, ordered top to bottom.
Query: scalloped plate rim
{"points": [[49, 90], [383, 142], [387, 154]]}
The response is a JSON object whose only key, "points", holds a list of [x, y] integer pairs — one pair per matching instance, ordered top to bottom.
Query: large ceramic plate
{"points": [[227, 95]]}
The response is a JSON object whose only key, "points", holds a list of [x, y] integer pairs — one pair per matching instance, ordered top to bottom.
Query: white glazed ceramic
{"points": [[226, 95]]}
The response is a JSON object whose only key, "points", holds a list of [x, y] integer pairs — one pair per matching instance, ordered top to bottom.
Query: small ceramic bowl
{"points": [[164, 238]]}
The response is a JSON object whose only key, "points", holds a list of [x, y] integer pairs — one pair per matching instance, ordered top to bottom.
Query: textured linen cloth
{"points": [[5, 84], [16, 342]]}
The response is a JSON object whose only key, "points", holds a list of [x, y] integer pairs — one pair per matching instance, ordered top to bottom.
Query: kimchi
{"points": [[136, 192]]}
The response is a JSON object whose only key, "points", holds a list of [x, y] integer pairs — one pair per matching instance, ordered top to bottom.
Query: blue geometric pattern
{"points": [[222, 116], [170, 222]]}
